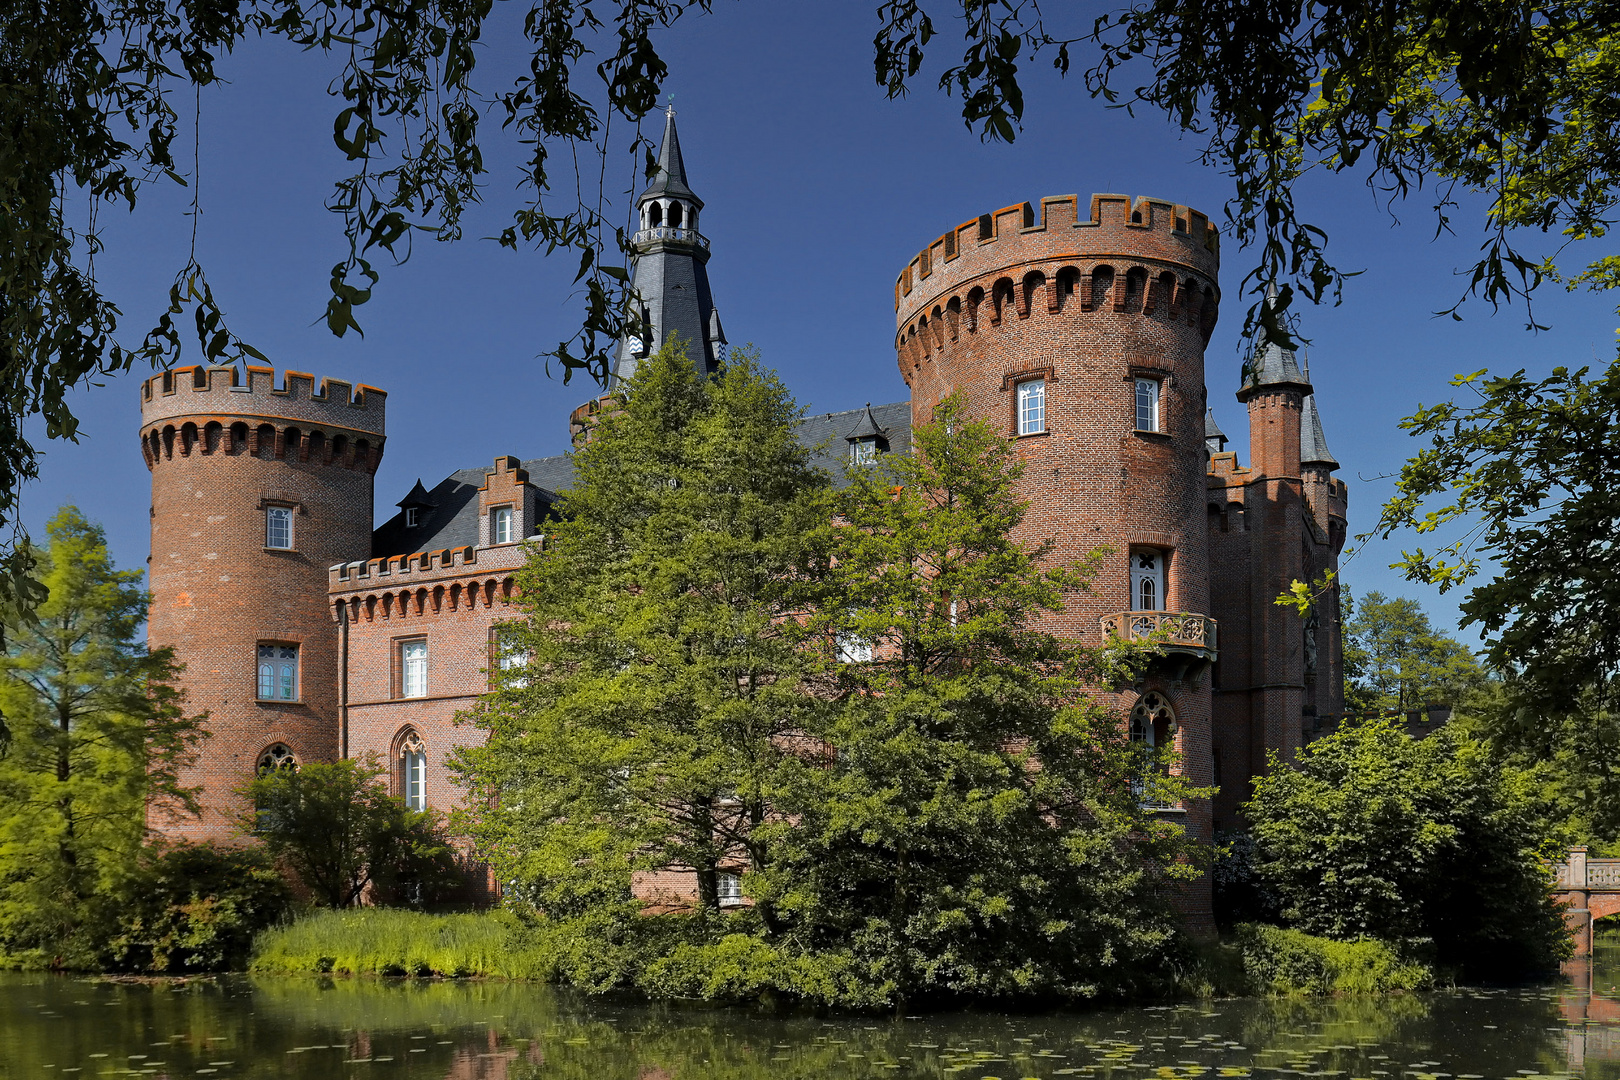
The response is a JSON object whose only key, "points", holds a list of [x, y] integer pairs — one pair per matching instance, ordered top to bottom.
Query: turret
{"points": [[668, 274], [1274, 388], [1316, 467], [256, 490]]}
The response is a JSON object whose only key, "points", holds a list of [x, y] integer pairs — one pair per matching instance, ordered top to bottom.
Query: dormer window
{"points": [[867, 439], [863, 451], [412, 517]]}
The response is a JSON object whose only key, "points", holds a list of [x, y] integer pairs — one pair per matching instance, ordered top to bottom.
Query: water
{"points": [[54, 1026]]}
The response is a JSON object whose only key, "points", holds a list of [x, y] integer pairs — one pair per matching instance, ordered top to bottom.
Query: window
{"points": [[1147, 404], [1032, 407], [863, 451], [412, 519], [500, 525], [278, 527], [1147, 580], [854, 650], [511, 659], [413, 668], [278, 673], [1153, 725], [277, 757], [413, 771], [729, 889]]}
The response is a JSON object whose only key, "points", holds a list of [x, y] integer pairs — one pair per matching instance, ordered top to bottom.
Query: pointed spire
{"points": [[671, 178], [1270, 364], [867, 427], [1214, 437], [1313, 448], [417, 497]]}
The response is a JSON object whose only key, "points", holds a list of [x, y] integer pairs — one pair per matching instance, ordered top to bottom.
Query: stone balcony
{"points": [[1184, 642]]}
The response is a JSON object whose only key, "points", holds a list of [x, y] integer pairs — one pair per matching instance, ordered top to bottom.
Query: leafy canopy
{"points": [[1395, 659], [99, 739], [336, 825], [1377, 834]]}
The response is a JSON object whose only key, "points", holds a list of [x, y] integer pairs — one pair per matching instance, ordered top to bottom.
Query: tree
{"points": [[1394, 659], [665, 685], [99, 739], [336, 825], [980, 830], [1378, 834]]}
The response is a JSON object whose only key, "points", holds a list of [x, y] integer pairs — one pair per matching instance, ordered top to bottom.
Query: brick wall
{"points": [[220, 452]]}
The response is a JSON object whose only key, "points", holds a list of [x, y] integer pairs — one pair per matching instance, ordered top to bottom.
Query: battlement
{"points": [[1117, 228], [199, 392], [374, 573]]}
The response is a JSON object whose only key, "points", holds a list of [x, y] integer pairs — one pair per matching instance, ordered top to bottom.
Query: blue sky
{"points": [[817, 190]]}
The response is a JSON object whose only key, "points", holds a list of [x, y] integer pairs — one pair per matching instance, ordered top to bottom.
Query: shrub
{"points": [[196, 907], [1281, 961]]}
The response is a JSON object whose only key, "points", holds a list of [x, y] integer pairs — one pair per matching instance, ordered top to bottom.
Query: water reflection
{"points": [[369, 1030]]}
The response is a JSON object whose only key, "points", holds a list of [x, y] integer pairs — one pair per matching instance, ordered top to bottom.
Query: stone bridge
{"points": [[1591, 888]]}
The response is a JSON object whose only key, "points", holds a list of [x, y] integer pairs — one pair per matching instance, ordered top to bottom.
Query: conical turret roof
{"points": [[671, 178], [1270, 364], [867, 427], [1212, 430], [1313, 448], [417, 497]]}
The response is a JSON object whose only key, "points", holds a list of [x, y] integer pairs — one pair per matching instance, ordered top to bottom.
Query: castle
{"points": [[1079, 328]]}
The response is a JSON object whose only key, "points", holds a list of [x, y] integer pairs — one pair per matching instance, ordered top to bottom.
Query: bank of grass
{"points": [[1252, 960]]}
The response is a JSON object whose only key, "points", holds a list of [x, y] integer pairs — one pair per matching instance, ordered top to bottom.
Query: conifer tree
{"points": [[664, 682], [99, 737], [980, 828]]}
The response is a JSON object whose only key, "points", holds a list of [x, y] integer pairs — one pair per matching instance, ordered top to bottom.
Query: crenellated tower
{"points": [[1081, 335], [257, 489]]}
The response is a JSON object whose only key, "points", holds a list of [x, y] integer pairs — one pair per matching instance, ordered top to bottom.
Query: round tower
{"points": [[1082, 337], [256, 491]]}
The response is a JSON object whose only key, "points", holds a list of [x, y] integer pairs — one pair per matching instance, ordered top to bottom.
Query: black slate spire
{"points": [[668, 275]]}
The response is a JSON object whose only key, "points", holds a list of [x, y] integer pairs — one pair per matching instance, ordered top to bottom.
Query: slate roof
{"points": [[671, 178], [1269, 364], [1212, 430], [1313, 448], [452, 518]]}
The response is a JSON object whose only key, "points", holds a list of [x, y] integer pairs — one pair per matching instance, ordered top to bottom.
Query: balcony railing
{"points": [[679, 236], [1175, 629], [1184, 642]]}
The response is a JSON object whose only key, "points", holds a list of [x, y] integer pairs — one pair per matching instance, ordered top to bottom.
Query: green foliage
{"points": [[1531, 468], [1394, 659], [653, 723], [99, 739], [953, 816], [338, 828], [977, 832], [1378, 835], [196, 907], [386, 941], [1277, 961]]}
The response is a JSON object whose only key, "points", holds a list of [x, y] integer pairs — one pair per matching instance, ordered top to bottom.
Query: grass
{"points": [[383, 941]]}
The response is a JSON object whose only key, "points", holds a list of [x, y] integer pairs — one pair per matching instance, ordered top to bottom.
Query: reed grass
{"points": [[384, 941]]}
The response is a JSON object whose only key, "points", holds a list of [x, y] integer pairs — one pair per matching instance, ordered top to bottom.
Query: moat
{"points": [[246, 1027]]}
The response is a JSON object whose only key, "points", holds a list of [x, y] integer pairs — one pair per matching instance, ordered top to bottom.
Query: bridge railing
{"points": [[1579, 871]]}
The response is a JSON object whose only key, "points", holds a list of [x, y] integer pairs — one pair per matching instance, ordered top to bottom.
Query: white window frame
{"points": [[1149, 393], [1031, 398], [863, 451], [501, 520], [278, 525], [1151, 576], [854, 650], [511, 656], [413, 663], [277, 670], [413, 773], [728, 888]]}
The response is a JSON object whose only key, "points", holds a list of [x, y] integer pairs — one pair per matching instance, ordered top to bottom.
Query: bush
{"points": [[1375, 834], [196, 907], [1277, 961]]}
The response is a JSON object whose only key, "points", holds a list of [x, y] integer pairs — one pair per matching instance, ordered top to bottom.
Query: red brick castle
{"points": [[1079, 328]]}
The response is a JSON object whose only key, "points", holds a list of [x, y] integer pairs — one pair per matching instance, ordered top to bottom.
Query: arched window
{"points": [[655, 215], [674, 215], [1147, 580], [1153, 721], [277, 757], [413, 771]]}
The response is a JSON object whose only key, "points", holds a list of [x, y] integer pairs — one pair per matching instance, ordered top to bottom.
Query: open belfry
{"points": [[1076, 326]]}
